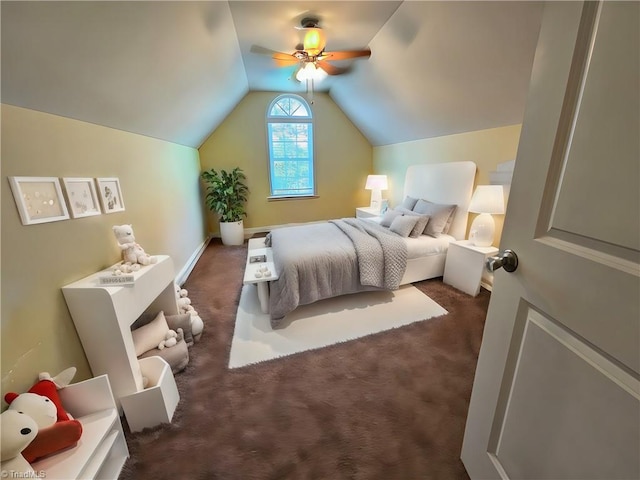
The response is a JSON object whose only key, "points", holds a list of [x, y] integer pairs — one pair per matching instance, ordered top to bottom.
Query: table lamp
{"points": [[376, 183], [486, 200]]}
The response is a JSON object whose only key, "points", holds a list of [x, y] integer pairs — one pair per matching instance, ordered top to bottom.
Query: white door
{"points": [[557, 391]]}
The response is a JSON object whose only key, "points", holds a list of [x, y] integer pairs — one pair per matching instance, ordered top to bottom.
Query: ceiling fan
{"points": [[311, 56]]}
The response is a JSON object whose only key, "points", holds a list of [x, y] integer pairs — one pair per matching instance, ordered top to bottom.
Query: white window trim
{"points": [[283, 119]]}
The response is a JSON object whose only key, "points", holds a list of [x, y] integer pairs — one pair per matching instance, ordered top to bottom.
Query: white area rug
{"points": [[323, 323]]}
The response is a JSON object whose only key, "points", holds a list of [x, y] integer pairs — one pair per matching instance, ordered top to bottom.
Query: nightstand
{"points": [[367, 212], [464, 268]]}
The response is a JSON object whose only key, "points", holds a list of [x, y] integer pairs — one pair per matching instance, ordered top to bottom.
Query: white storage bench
{"points": [[103, 316], [102, 448]]}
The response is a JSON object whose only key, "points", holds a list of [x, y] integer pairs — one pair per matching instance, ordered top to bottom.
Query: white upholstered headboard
{"points": [[445, 183]]}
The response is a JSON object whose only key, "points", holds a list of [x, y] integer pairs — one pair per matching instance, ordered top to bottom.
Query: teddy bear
{"points": [[132, 252], [125, 267], [184, 306], [171, 339], [57, 430], [17, 431]]}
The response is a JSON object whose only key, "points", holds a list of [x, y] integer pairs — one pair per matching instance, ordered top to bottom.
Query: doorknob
{"points": [[507, 259]]}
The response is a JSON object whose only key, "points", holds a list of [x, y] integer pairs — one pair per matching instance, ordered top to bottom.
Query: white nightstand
{"points": [[367, 212], [464, 268]]}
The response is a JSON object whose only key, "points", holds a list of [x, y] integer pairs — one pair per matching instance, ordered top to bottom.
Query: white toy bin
{"points": [[157, 402]]}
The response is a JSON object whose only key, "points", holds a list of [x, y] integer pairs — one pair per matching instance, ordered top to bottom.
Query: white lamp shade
{"points": [[311, 72], [376, 182], [487, 199]]}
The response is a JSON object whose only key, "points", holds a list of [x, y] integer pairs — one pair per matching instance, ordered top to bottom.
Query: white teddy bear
{"points": [[132, 253], [184, 306], [171, 339], [17, 431]]}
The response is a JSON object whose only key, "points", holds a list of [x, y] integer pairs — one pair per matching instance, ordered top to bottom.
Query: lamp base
{"points": [[376, 200], [482, 230]]}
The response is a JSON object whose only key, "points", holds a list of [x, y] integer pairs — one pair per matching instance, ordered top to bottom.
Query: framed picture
{"points": [[110, 195], [82, 197], [39, 199]]}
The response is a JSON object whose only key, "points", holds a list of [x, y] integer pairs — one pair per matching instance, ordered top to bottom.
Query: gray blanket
{"points": [[326, 260]]}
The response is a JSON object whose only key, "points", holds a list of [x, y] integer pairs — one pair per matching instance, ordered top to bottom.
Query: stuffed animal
{"points": [[132, 252], [125, 267], [184, 306], [171, 339], [56, 428], [17, 431]]}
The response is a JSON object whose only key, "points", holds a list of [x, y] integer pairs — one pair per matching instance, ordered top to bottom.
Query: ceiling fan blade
{"points": [[262, 50], [345, 55], [281, 59], [285, 62], [331, 69]]}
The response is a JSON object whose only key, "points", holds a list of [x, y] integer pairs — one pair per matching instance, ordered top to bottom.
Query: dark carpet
{"points": [[388, 406]]}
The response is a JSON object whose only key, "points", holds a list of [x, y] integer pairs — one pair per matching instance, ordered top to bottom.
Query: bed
{"points": [[344, 256]]}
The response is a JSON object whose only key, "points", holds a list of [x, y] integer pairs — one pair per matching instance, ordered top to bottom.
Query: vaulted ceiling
{"points": [[175, 70]]}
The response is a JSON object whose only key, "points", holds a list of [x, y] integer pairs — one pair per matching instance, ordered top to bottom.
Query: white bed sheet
{"points": [[425, 245]]}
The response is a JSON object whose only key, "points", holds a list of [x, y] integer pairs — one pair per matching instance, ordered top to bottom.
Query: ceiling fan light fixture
{"points": [[314, 41], [311, 72]]}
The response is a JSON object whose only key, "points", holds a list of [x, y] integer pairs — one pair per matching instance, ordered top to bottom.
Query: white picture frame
{"points": [[110, 195], [82, 196], [39, 199]]}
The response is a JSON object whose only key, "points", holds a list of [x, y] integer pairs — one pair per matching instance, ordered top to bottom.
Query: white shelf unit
{"points": [[103, 316], [102, 448]]}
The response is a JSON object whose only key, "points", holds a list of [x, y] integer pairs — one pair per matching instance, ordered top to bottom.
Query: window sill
{"points": [[292, 197]]}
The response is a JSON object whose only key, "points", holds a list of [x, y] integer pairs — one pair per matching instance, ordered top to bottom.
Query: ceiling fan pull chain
{"points": [[310, 90]]}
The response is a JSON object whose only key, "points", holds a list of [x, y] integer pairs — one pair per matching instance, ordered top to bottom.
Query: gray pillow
{"points": [[409, 202], [389, 216], [439, 216], [421, 224], [403, 225]]}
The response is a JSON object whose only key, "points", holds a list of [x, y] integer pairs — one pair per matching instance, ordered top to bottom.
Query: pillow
{"points": [[409, 202], [405, 211], [439, 215], [389, 216], [403, 225], [421, 225], [447, 227], [183, 321], [150, 335], [177, 356]]}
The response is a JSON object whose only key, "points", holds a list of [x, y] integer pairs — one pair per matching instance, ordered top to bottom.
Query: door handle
{"points": [[506, 259]]}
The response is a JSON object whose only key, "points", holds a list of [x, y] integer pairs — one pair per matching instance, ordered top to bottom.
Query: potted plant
{"points": [[226, 195]]}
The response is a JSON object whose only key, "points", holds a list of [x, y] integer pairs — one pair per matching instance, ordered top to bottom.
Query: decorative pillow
{"points": [[409, 202], [405, 211], [439, 215], [389, 216], [403, 225], [421, 225], [447, 227], [182, 321], [150, 335], [177, 356]]}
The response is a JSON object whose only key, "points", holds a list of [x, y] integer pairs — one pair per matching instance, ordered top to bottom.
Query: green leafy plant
{"points": [[226, 193]]}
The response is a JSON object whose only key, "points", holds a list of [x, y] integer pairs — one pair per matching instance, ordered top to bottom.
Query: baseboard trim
{"points": [[191, 263]]}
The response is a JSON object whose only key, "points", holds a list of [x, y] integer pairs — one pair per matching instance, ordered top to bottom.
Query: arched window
{"points": [[290, 138]]}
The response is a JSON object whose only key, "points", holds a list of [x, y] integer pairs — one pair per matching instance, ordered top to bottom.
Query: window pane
{"points": [[289, 107], [290, 148]]}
